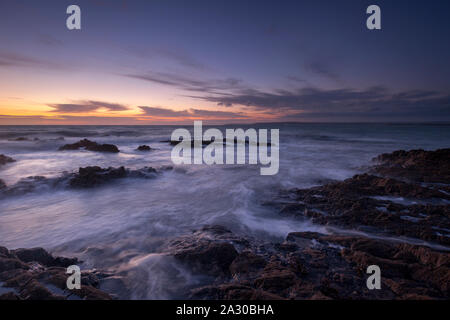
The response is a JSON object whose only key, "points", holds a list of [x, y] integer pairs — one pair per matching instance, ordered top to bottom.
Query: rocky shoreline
{"points": [[396, 216], [34, 274]]}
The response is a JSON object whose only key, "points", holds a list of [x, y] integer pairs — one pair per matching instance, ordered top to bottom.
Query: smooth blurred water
{"points": [[122, 226]]}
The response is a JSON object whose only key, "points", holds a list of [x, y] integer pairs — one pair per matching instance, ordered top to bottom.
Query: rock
{"points": [[19, 139], [175, 142], [91, 146], [144, 148], [5, 159], [415, 165], [93, 176], [2, 184], [364, 202], [209, 250], [34, 254], [43, 257], [207, 257], [247, 262], [7, 264], [324, 267], [34, 274], [276, 279], [36, 291], [232, 292], [9, 296]]}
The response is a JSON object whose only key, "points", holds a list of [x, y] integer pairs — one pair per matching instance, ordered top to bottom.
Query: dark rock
{"points": [[19, 139], [91, 146], [144, 148], [5, 159], [415, 165], [94, 176], [358, 203], [34, 254], [207, 257], [247, 262], [7, 264], [34, 274], [9, 296]]}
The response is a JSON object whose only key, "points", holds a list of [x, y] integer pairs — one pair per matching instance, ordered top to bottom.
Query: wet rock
{"points": [[19, 139], [175, 142], [208, 142], [91, 146], [144, 148], [5, 159], [415, 165], [93, 176], [88, 177], [367, 202], [209, 250], [34, 254], [43, 257], [207, 257], [247, 262], [327, 267], [34, 274], [36, 291], [232, 292], [9, 296]]}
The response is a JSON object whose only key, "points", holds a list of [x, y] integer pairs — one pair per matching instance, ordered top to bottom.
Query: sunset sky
{"points": [[223, 61]]}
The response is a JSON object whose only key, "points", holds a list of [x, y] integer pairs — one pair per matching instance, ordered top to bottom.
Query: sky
{"points": [[223, 61]]}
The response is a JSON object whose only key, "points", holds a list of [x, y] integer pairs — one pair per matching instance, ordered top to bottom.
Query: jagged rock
{"points": [[19, 139], [91, 146], [144, 148], [5, 159], [415, 165], [93, 176], [368, 202], [210, 250], [43, 257], [206, 257], [247, 262], [324, 267], [34, 274]]}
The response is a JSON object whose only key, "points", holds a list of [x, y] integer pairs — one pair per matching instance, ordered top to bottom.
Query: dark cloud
{"points": [[176, 55], [9, 59], [322, 69], [189, 84], [373, 102], [86, 106], [162, 112], [197, 113], [65, 119]]}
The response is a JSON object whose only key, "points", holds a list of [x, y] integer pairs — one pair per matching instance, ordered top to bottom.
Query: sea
{"points": [[122, 226]]}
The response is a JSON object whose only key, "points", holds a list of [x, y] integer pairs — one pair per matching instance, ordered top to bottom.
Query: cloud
{"points": [[177, 55], [9, 59], [322, 69], [296, 79], [188, 83], [376, 102], [86, 106], [162, 112], [191, 113], [65, 120]]}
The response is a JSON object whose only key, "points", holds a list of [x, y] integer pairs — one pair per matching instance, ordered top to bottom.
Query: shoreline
{"points": [[307, 265]]}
